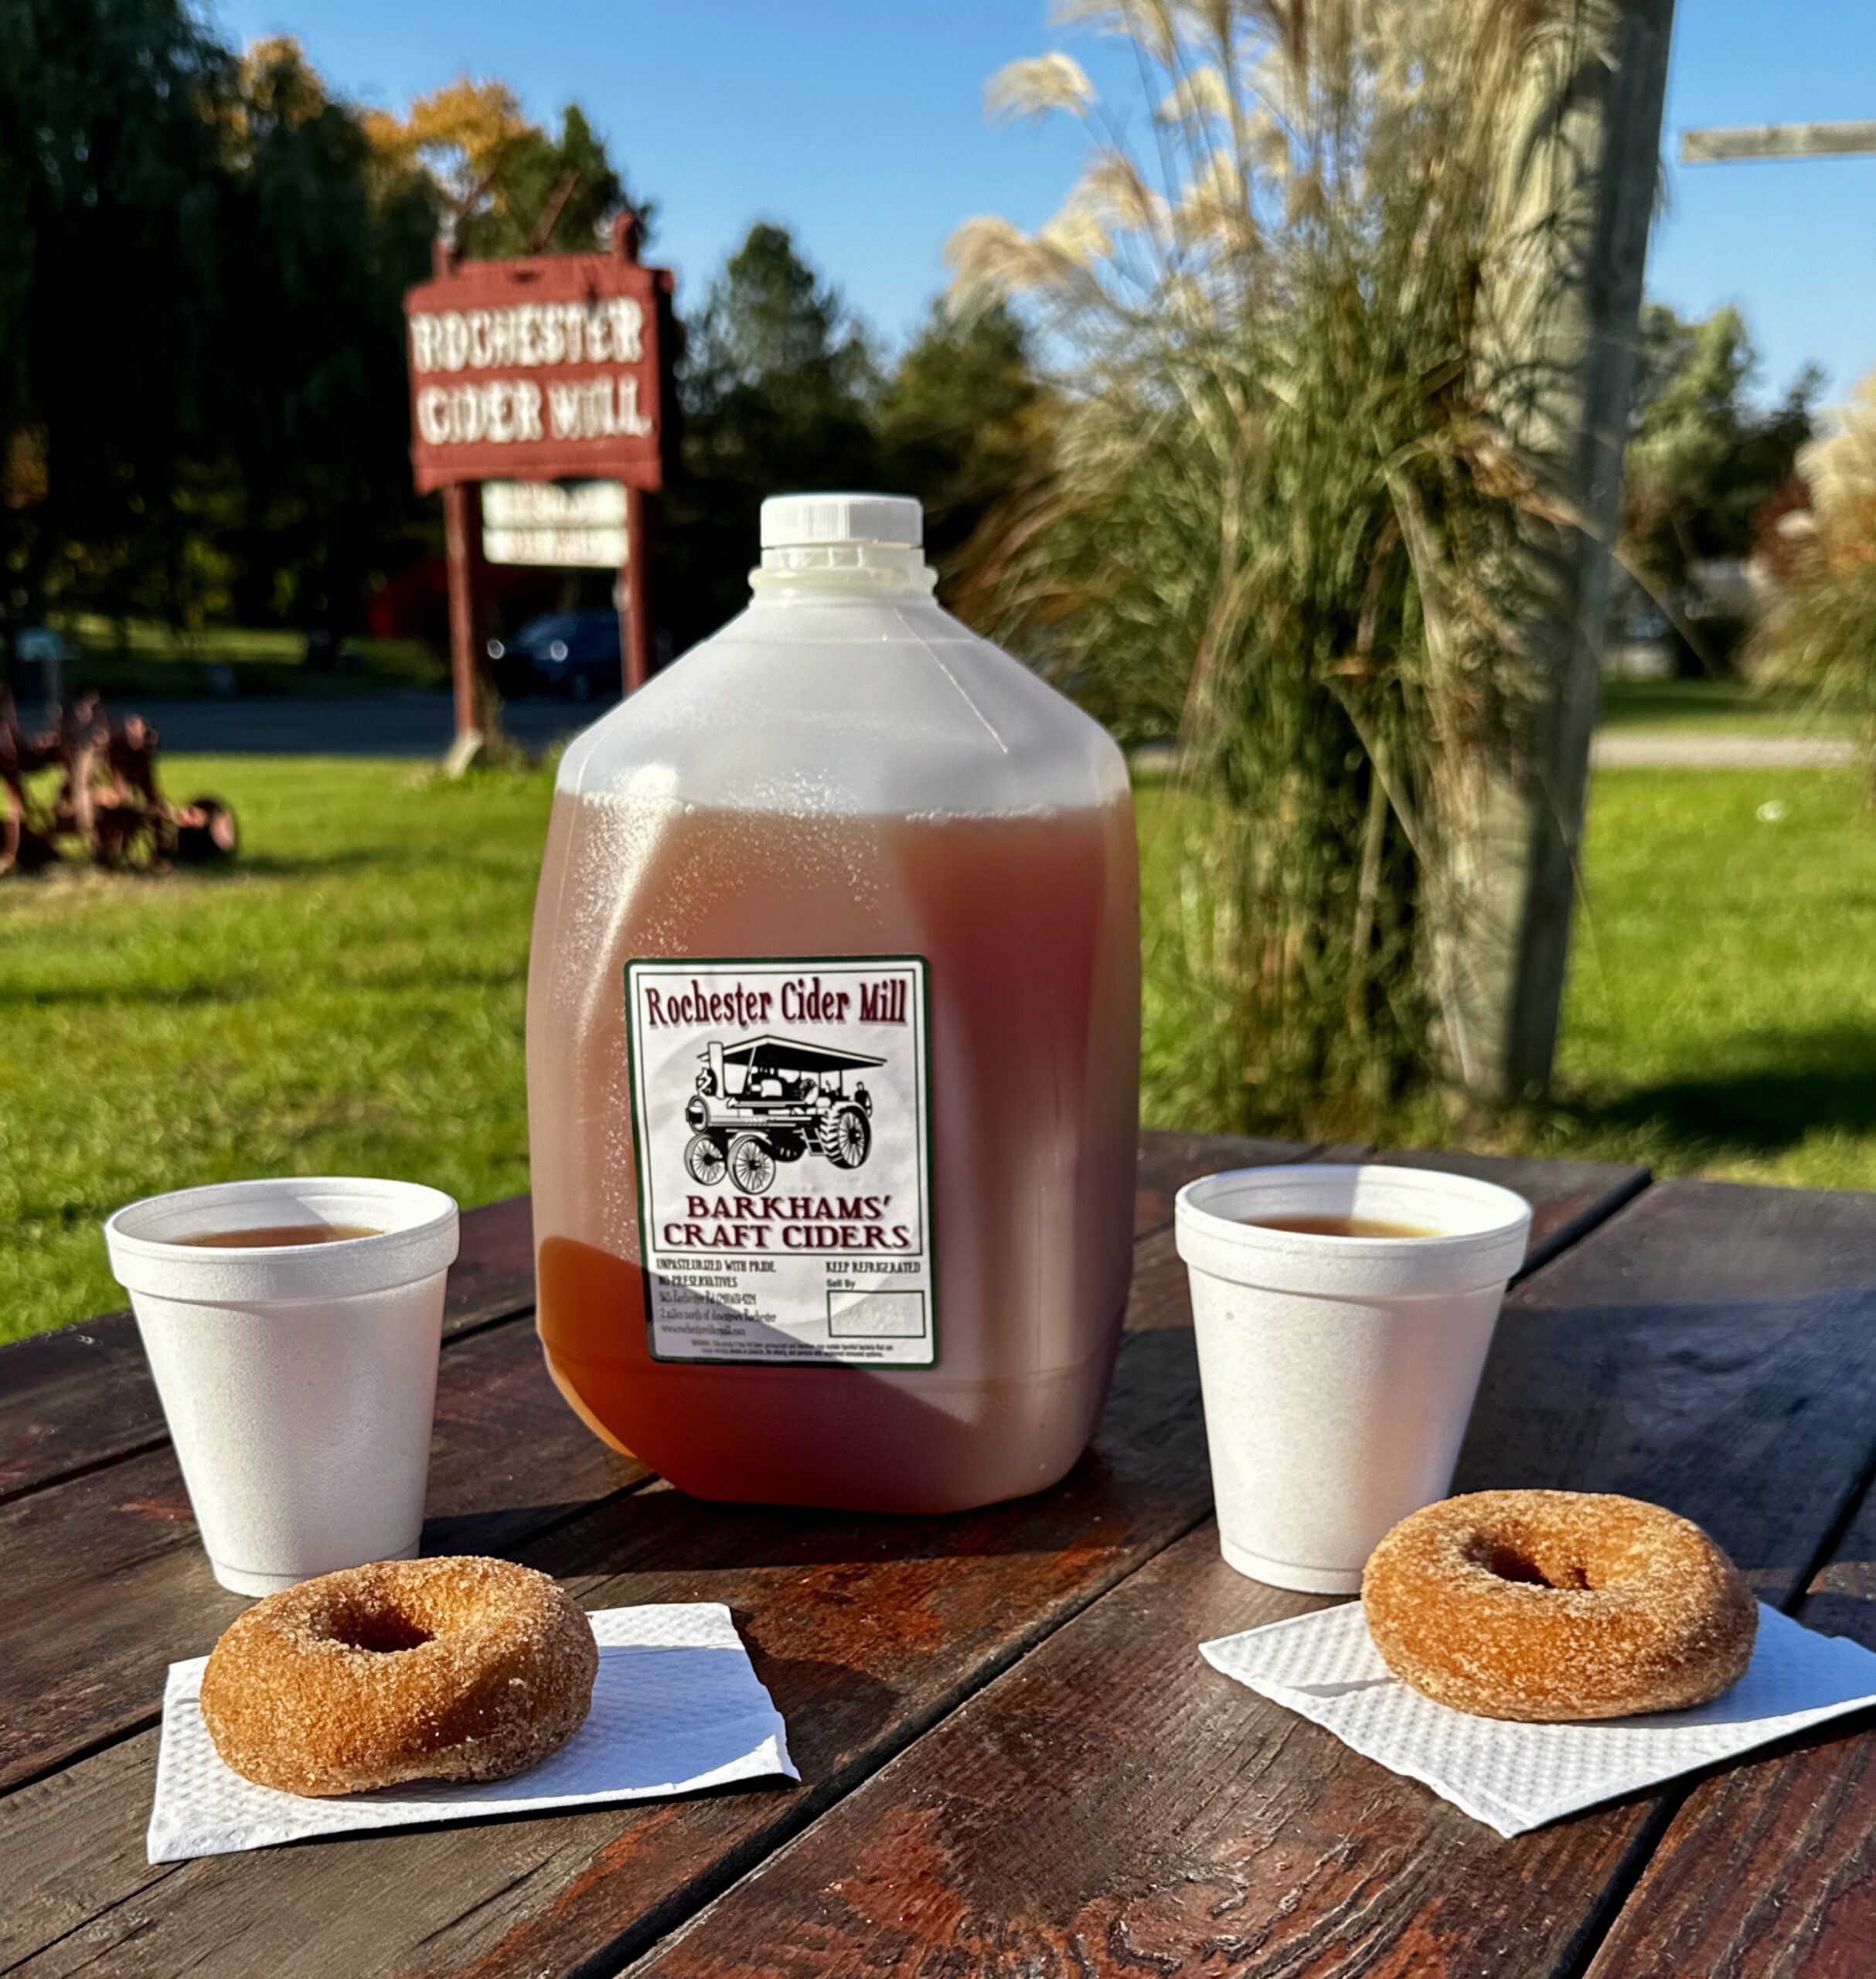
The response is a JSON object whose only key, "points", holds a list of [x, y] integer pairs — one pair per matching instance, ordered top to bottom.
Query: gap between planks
{"points": [[1165, 1158], [1857, 1501], [525, 1535], [834, 1788], [1595, 1903], [651, 1930]]}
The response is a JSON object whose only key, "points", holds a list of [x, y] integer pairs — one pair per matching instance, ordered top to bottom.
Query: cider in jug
{"points": [[833, 1045]]}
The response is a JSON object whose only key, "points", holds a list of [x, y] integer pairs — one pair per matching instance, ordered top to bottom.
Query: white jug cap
{"points": [[789, 521]]}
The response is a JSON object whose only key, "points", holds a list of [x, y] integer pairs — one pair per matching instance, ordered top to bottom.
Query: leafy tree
{"points": [[515, 188], [110, 203], [320, 243], [777, 386], [202, 398], [967, 425], [1701, 457], [1286, 522], [1818, 635]]}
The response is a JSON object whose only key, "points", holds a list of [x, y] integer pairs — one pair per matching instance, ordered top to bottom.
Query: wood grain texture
{"points": [[1169, 1161], [1566, 1198], [1711, 1347], [81, 1396], [106, 1582], [867, 1630], [1114, 1806], [1767, 1870]]}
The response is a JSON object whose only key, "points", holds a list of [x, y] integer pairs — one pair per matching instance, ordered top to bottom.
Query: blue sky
{"points": [[859, 123]]}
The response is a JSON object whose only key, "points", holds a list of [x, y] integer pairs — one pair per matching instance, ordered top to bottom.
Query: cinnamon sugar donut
{"points": [[1549, 1606], [461, 1668]]}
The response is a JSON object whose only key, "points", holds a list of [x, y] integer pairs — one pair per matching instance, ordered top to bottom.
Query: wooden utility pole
{"points": [[1561, 302]]}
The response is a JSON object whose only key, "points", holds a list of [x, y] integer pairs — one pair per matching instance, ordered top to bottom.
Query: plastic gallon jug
{"points": [[834, 1047]]}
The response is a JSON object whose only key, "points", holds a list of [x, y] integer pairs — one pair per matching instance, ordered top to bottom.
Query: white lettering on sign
{"points": [[529, 334], [602, 409], [503, 410], [554, 504], [605, 549]]}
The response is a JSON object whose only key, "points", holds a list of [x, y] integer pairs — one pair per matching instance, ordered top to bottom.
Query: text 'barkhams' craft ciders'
{"points": [[834, 1047]]}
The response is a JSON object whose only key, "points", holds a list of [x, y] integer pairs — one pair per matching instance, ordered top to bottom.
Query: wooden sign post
{"points": [[546, 367]]}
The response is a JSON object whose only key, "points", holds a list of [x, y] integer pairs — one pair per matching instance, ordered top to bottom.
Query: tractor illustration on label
{"points": [[768, 1100]]}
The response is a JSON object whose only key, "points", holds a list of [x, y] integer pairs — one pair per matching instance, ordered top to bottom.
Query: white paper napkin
{"points": [[676, 1707], [1514, 1777]]}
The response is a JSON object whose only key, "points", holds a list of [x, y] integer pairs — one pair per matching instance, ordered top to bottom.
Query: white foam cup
{"points": [[1339, 1372], [299, 1380]]}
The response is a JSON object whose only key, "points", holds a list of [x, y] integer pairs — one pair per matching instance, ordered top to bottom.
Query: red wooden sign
{"points": [[539, 368]]}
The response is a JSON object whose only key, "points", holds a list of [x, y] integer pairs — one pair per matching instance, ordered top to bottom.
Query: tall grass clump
{"points": [[1282, 525], [1818, 634]]}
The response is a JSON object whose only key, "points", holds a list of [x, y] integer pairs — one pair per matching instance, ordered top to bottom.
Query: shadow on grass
{"points": [[498, 856], [244, 865], [300, 866], [230, 991], [1769, 1091]]}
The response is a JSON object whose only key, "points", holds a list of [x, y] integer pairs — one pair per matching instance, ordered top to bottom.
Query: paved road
{"points": [[416, 724], [1639, 749]]}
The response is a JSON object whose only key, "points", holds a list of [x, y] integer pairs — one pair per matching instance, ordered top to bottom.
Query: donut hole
{"points": [[1526, 1566], [381, 1631]]}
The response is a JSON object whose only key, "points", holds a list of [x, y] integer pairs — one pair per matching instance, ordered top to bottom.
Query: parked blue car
{"points": [[574, 653]]}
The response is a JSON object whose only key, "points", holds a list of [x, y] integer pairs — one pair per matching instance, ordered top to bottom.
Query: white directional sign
{"points": [[579, 523]]}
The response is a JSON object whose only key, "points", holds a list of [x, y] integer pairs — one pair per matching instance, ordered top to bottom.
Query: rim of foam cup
{"points": [[416, 1226], [1483, 1228]]}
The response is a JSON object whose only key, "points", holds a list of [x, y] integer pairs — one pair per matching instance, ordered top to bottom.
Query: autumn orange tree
{"points": [[514, 187], [242, 455]]}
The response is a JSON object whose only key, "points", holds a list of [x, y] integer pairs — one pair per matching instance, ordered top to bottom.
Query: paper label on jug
{"points": [[782, 1134]]}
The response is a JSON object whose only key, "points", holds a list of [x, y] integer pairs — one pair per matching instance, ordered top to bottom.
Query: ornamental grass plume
{"points": [[1281, 525], [1818, 634]]}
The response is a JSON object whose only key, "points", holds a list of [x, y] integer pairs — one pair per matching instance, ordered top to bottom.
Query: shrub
{"points": [[1283, 526], [1819, 633]]}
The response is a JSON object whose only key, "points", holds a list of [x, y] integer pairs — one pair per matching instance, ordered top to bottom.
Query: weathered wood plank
{"points": [[1720, 145], [1169, 1160], [1567, 1198], [1722, 1336], [81, 1396], [129, 1523], [142, 1567], [106, 1583], [866, 1631], [1112, 1805], [1115, 1806], [96, 1865], [1769, 1868]]}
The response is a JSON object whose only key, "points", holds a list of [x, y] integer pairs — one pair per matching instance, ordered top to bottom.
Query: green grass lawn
{"points": [[1713, 707], [349, 998], [1722, 1005]]}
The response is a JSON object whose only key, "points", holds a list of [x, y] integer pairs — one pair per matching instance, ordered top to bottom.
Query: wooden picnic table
{"points": [[1013, 1759]]}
